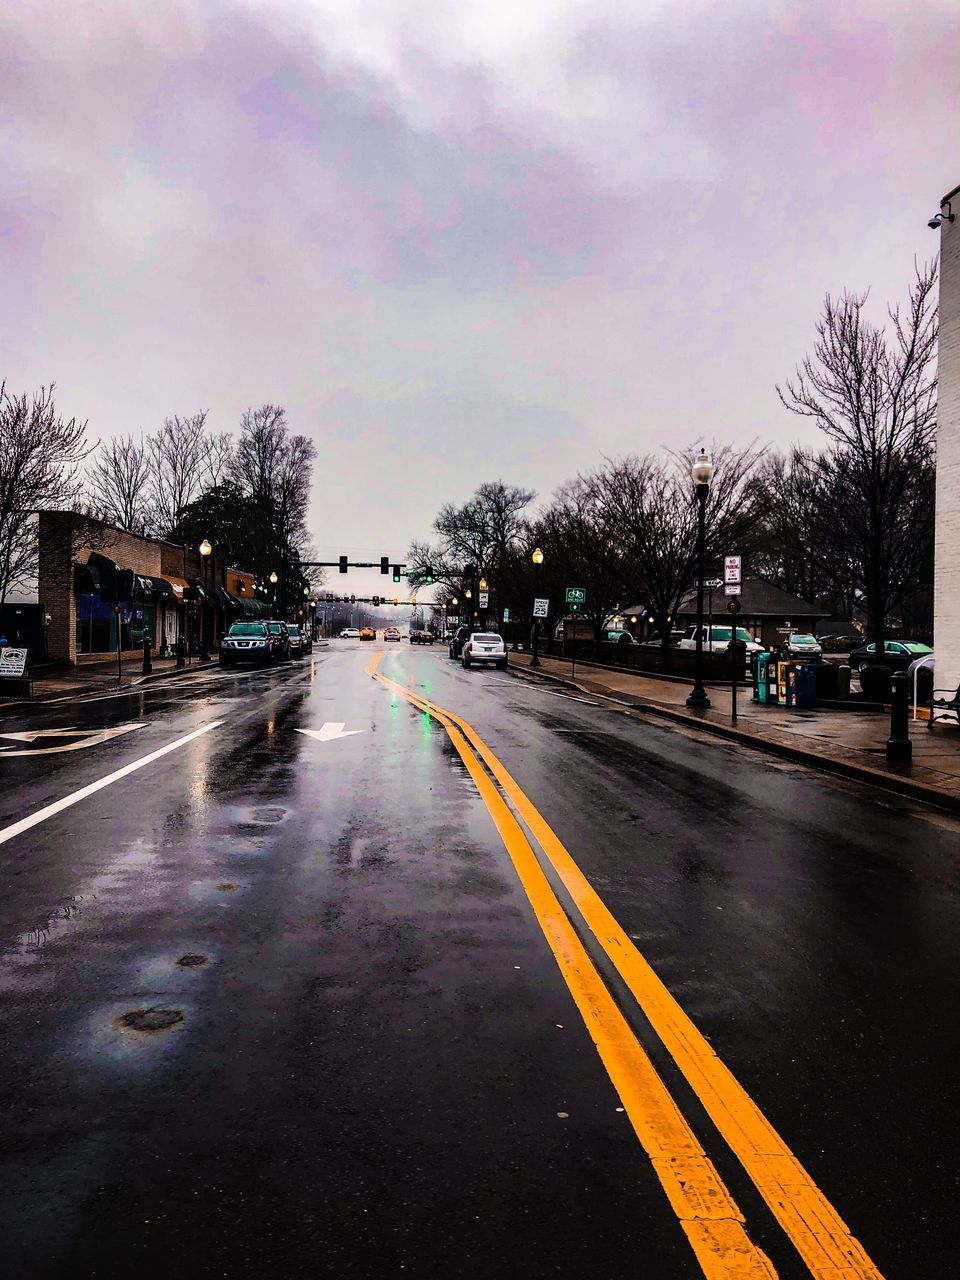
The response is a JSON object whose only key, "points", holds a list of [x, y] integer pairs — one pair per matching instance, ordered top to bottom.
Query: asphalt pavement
{"points": [[302, 975]]}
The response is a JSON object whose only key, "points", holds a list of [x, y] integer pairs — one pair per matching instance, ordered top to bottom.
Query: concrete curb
{"points": [[899, 784]]}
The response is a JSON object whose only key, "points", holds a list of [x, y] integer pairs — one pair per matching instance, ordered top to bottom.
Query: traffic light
{"points": [[343, 564], [384, 564], [396, 573], [428, 574], [329, 597], [353, 599], [376, 601], [395, 601]]}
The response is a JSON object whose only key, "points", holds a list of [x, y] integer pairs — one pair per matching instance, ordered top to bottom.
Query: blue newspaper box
{"points": [[806, 695]]}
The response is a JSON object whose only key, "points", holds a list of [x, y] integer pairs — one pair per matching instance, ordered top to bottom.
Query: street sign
{"points": [[731, 568], [709, 584], [732, 589], [576, 595], [484, 599], [734, 606], [541, 607], [506, 615], [13, 662]]}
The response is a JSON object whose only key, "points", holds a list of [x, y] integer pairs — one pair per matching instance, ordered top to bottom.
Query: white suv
{"points": [[717, 640], [484, 646]]}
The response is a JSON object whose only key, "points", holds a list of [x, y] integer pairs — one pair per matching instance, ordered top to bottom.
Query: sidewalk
{"points": [[54, 682], [849, 743]]}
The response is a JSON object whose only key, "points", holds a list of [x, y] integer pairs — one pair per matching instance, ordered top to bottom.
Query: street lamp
{"points": [[701, 473], [206, 550], [537, 559]]}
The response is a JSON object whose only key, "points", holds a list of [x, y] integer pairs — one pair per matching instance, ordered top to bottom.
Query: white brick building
{"points": [[946, 592]]}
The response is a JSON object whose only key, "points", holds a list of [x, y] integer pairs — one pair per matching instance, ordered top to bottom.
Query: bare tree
{"points": [[872, 392], [40, 455], [217, 460], [179, 465], [274, 468], [120, 483], [653, 500], [486, 532], [584, 547], [800, 549]]}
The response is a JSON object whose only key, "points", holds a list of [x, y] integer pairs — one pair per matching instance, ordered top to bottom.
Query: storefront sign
{"points": [[13, 663]]}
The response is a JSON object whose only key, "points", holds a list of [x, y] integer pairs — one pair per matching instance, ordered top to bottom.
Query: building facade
{"points": [[946, 587], [105, 590]]}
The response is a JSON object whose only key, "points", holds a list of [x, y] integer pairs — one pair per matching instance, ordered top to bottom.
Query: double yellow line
{"points": [[706, 1210]]}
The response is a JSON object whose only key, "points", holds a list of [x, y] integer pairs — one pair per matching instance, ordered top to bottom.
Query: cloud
{"points": [[518, 236]]}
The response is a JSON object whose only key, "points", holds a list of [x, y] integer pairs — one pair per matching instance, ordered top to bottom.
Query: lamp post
{"points": [[701, 473], [206, 550], [537, 559], [273, 594]]}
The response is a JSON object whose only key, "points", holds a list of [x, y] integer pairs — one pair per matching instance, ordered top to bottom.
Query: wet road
{"points": [[553, 990]]}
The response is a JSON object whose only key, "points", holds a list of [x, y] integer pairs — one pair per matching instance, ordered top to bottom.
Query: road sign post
{"points": [[734, 608]]}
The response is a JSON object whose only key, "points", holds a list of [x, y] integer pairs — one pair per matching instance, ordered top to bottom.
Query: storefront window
{"points": [[98, 625]]}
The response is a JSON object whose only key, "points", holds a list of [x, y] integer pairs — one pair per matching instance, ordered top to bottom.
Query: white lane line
{"points": [[17, 828]]}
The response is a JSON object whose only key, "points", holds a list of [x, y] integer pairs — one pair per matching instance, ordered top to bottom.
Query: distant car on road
{"points": [[350, 633], [367, 633], [392, 633], [421, 637], [294, 640], [307, 640], [247, 642], [802, 645], [483, 647], [897, 654]]}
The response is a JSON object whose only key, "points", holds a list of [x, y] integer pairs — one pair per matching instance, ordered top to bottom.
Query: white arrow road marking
{"points": [[331, 730], [92, 738], [7, 833]]}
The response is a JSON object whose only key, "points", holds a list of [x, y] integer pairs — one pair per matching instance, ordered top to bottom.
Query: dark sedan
{"points": [[897, 654]]}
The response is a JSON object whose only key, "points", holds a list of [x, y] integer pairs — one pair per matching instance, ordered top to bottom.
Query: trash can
{"points": [[806, 685]]}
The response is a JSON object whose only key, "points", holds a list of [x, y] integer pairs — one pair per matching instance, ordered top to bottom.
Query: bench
{"points": [[944, 708]]}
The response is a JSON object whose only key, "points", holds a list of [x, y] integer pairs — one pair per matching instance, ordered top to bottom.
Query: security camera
{"points": [[934, 223]]}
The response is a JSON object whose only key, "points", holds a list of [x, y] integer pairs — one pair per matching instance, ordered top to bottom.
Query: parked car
{"points": [[350, 633], [392, 633], [421, 637], [460, 637], [619, 637], [281, 638], [294, 640], [307, 640], [717, 640], [248, 642], [655, 642], [840, 643], [802, 645], [483, 647], [897, 654]]}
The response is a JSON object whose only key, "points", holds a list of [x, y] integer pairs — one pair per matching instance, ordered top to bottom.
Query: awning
{"points": [[98, 574], [145, 585], [182, 589], [221, 597], [247, 607]]}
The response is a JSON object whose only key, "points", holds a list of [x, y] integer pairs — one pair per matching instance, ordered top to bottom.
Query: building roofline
{"points": [[950, 195]]}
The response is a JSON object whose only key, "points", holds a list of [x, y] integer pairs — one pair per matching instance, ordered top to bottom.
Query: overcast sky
{"points": [[460, 239]]}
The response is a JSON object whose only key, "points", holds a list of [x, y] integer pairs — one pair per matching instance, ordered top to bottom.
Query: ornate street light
{"points": [[701, 473], [537, 559]]}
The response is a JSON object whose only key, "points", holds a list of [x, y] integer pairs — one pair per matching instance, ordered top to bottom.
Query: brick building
{"points": [[946, 587], [105, 589]]}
